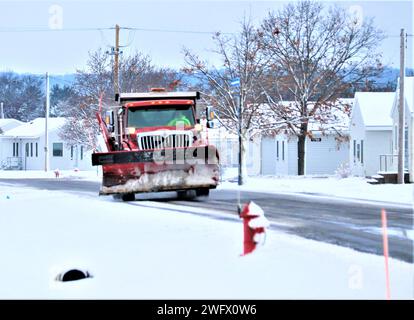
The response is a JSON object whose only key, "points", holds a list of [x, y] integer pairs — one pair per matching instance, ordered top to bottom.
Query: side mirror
{"points": [[210, 113], [210, 124]]}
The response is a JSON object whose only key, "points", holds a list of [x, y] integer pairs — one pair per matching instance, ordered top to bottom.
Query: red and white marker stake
{"points": [[385, 246]]}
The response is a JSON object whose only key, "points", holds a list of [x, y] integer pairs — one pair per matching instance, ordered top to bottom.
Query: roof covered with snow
{"points": [[375, 107], [336, 121], [8, 124], [35, 128]]}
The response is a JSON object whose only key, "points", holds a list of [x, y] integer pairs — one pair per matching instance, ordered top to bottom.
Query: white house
{"points": [[370, 131], [23, 147], [325, 151], [391, 160]]}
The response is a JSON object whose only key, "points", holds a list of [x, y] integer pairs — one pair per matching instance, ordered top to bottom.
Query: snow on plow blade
{"points": [[158, 170]]}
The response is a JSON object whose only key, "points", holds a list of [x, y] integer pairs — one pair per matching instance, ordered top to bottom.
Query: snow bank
{"points": [[354, 187], [150, 250]]}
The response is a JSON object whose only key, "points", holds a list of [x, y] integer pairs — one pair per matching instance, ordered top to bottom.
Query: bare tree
{"points": [[317, 53], [241, 57], [136, 74], [23, 95], [81, 126]]}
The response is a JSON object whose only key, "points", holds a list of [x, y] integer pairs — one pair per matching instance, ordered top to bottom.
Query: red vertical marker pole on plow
{"points": [[385, 246]]}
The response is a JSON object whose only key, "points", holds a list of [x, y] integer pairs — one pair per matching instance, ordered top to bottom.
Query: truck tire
{"points": [[203, 192], [186, 194], [116, 196], [128, 197]]}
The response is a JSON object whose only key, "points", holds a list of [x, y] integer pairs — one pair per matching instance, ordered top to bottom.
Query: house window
{"points": [[316, 139], [15, 149], [27, 149], [31, 149], [58, 149], [37, 150], [277, 150], [354, 150], [283, 151], [362, 151], [71, 152], [358, 152], [81, 153]]}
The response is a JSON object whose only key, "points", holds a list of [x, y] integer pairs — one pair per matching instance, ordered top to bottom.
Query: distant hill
{"points": [[389, 76], [62, 80]]}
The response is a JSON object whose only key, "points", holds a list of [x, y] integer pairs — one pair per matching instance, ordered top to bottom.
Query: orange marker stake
{"points": [[385, 246]]}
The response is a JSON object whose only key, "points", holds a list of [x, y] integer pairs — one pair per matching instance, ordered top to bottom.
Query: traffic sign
{"points": [[235, 82]]}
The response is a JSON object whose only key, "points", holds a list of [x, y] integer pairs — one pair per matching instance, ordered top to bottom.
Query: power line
{"points": [[43, 29], [175, 31], [130, 38], [104, 39]]}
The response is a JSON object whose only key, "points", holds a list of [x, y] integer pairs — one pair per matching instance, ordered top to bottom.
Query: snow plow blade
{"points": [[158, 170]]}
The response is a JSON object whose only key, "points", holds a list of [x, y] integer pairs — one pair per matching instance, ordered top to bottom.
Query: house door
{"points": [[268, 156]]}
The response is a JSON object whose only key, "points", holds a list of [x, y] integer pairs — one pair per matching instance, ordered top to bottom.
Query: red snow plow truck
{"points": [[155, 142]]}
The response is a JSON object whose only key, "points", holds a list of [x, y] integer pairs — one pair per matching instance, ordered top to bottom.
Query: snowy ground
{"points": [[92, 175], [352, 187], [149, 250]]}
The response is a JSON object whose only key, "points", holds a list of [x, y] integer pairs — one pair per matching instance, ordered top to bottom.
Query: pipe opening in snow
{"points": [[73, 275]]}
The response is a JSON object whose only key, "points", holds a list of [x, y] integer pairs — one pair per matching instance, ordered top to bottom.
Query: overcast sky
{"points": [[23, 49]]}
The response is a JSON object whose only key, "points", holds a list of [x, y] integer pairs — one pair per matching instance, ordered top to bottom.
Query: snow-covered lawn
{"points": [[92, 175], [353, 187], [150, 250]]}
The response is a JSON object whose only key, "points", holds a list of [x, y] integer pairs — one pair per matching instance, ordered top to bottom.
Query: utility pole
{"points": [[116, 63], [1, 111], [401, 111], [46, 129]]}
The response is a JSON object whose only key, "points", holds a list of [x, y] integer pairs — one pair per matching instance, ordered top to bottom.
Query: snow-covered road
{"points": [[349, 223], [147, 251]]}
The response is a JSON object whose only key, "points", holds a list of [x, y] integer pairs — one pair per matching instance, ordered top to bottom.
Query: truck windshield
{"points": [[171, 115]]}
